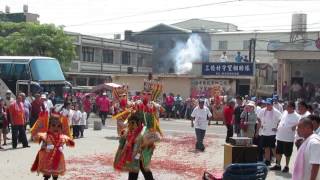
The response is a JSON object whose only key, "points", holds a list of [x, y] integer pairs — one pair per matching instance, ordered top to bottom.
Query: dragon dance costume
{"points": [[53, 133], [137, 140]]}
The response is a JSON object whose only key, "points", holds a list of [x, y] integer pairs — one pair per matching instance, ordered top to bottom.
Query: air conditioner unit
{"points": [[130, 70]]}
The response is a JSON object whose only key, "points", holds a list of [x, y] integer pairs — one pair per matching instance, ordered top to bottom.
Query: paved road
{"points": [[174, 157]]}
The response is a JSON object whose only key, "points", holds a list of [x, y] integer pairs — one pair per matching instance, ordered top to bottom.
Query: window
{"points": [[246, 44], [223, 45], [88, 54], [108, 56], [125, 58], [140, 60], [5, 71], [20, 72], [81, 81]]}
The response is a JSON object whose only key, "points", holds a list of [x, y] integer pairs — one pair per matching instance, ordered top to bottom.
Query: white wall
{"points": [[235, 43]]}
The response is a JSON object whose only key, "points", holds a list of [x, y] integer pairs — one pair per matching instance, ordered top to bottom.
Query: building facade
{"points": [[164, 39], [97, 59], [298, 68]]}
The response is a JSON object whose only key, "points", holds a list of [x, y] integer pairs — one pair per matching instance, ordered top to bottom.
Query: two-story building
{"points": [[97, 59]]}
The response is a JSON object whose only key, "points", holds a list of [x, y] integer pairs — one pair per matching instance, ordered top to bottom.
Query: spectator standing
{"points": [[224, 57], [238, 57], [245, 59], [52, 98], [47, 103], [276, 103], [87, 105], [104, 105], [169, 105], [178, 106], [36, 107], [27, 108], [228, 112], [303, 112], [237, 113], [17, 114], [200, 114], [76, 118], [269, 118], [248, 120], [83, 123], [316, 123], [285, 136], [306, 166]]}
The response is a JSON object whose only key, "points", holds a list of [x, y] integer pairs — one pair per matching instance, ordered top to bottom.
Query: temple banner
{"points": [[227, 69]]}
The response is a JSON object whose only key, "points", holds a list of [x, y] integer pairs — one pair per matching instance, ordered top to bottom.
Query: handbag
{"points": [[244, 123]]}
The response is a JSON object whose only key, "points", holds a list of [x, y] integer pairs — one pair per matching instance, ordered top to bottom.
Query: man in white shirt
{"points": [[223, 57], [276, 104], [303, 112], [200, 114], [268, 119], [285, 136], [306, 166]]}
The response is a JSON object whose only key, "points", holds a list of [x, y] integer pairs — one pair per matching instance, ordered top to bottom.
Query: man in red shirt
{"points": [[87, 105], [104, 105], [169, 105], [36, 107], [17, 114], [228, 119]]}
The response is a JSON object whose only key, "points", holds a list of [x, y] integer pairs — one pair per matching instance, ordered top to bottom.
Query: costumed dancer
{"points": [[53, 133], [137, 141]]}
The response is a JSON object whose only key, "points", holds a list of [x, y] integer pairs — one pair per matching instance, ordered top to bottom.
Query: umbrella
{"points": [[105, 86]]}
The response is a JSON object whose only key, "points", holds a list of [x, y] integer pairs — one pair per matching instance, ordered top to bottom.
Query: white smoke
{"points": [[184, 54]]}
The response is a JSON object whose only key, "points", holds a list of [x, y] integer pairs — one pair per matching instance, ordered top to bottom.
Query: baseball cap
{"points": [[8, 92], [104, 93], [43, 96], [201, 100], [269, 101]]}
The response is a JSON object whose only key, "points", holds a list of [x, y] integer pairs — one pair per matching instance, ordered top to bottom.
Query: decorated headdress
{"points": [[153, 87], [119, 92], [42, 124]]}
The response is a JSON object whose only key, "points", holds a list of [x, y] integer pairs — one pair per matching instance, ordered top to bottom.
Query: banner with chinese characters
{"points": [[227, 69]]}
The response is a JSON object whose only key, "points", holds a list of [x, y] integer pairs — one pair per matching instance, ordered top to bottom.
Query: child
{"points": [[76, 121], [83, 122], [50, 159]]}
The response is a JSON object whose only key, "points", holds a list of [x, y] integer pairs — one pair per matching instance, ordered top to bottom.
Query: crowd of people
{"points": [[20, 113], [275, 128]]}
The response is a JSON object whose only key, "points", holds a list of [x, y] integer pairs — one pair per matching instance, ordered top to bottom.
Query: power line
{"points": [[156, 12], [208, 17]]}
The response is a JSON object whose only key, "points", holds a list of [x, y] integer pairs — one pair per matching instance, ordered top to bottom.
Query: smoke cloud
{"points": [[185, 53]]}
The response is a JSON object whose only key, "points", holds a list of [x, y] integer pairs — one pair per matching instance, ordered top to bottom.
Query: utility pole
{"points": [[252, 59]]}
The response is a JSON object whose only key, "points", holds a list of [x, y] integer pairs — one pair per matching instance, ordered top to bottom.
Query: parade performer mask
{"points": [[55, 126]]}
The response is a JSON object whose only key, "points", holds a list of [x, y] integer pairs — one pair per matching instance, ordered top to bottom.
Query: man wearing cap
{"points": [[9, 99], [276, 104], [104, 105], [200, 114], [17, 116], [268, 118]]}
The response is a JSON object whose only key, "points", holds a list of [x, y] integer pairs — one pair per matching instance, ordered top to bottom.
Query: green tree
{"points": [[33, 39]]}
